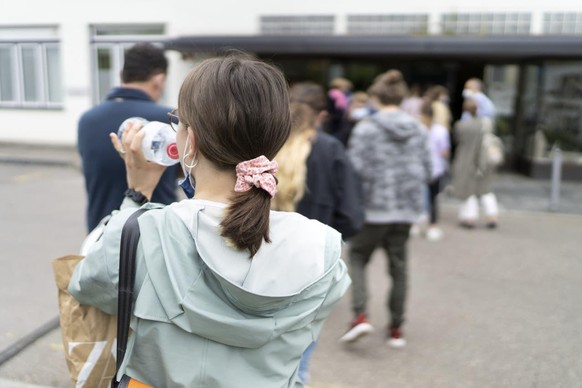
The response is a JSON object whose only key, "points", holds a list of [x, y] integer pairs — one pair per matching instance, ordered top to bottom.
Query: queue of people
{"points": [[278, 178]]}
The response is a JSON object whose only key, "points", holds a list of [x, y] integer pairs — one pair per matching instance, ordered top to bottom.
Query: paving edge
{"points": [[44, 162], [27, 340], [4, 383]]}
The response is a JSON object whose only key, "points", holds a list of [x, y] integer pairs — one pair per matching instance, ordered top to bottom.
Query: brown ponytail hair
{"points": [[238, 108]]}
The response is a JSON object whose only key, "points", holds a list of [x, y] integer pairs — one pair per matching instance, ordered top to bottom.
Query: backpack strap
{"points": [[129, 239]]}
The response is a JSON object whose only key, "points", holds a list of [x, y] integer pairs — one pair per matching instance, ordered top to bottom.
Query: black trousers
{"points": [[434, 188], [393, 238]]}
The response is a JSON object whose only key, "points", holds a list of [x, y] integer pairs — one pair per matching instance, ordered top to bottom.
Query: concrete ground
{"points": [[486, 308]]}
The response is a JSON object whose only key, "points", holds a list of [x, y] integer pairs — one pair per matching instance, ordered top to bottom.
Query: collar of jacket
{"points": [[128, 94]]}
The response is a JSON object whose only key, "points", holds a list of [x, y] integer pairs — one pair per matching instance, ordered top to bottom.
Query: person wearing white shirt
{"points": [[474, 90]]}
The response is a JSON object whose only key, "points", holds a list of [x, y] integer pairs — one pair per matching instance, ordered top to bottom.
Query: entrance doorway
{"points": [[362, 71]]}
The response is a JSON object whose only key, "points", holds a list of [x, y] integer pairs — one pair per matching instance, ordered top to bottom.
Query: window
{"points": [[561, 23], [406, 24], [486, 24], [298, 25], [109, 43], [109, 62], [30, 69], [53, 71], [7, 84], [502, 84], [560, 115]]}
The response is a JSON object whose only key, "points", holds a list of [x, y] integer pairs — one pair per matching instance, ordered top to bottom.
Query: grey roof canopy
{"points": [[477, 47]]}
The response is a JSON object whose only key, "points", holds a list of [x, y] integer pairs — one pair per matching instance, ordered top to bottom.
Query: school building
{"points": [[55, 65]]}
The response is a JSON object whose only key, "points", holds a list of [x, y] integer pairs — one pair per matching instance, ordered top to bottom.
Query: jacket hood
{"points": [[399, 125], [219, 292]]}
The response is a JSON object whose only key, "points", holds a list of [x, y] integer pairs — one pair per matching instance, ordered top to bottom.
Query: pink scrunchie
{"points": [[257, 172]]}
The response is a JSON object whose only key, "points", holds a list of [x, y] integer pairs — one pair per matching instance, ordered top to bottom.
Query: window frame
{"points": [[117, 44], [41, 78]]}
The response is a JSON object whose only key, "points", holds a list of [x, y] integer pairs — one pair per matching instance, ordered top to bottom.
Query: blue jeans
{"points": [[304, 363]]}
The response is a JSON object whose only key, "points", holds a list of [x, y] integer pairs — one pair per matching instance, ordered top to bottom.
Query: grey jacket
{"points": [[390, 151], [205, 314]]}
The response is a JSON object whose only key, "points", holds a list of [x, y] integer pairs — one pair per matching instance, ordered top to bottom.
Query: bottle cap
{"points": [[172, 151]]}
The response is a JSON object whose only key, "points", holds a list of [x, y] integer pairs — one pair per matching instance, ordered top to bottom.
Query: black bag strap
{"points": [[129, 239]]}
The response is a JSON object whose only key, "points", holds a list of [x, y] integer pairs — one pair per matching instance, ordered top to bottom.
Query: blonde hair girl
{"points": [[292, 158], [315, 177]]}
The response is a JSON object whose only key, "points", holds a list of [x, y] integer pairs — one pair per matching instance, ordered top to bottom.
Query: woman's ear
{"points": [[192, 139]]}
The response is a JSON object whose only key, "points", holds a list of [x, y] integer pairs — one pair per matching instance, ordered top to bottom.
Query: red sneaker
{"points": [[358, 328]]}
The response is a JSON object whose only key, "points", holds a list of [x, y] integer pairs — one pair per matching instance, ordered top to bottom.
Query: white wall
{"points": [[193, 17]]}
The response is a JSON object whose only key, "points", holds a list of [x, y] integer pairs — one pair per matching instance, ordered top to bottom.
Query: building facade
{"points": [[54, 65]]}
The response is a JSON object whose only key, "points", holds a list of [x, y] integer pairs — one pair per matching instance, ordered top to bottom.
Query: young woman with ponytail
{"points": [[227, 292]]}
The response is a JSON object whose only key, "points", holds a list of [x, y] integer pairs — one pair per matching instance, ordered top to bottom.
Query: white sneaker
{"points": [[414, 230], [434, 234], [359, 328], [395, 338], [397, 343]]}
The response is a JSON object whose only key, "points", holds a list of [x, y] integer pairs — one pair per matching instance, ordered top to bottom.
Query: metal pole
{"points": [[556, 178]]}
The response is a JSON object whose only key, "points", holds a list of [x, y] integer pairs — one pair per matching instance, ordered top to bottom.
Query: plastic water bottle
{"points": [[131, 120], [159, 143]]}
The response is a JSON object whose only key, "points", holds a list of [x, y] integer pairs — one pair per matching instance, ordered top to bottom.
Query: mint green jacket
{"points": [[205, 314]]}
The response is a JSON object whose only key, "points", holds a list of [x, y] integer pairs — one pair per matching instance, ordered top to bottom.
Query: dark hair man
{"points": [[142, 84]]}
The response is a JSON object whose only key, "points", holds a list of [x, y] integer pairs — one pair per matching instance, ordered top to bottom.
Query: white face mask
{"points": [[468, 93], [359, 113]]}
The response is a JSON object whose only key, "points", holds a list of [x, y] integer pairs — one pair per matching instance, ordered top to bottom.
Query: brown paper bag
{"points": [[89, 334]]}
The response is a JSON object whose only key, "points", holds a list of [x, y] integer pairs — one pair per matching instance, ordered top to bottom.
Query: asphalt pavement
{"points": [[486, 308]]}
